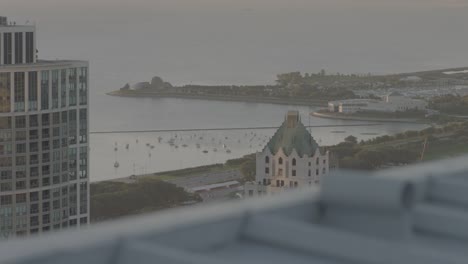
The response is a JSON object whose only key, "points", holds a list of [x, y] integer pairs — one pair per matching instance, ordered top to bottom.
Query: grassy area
{"points": [[406, 114], [403, 148], [440, 151], [169, 175], [115, 199]]}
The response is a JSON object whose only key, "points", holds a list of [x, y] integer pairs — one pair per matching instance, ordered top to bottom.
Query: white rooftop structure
{"points": [[209, 187], [410, 215]]}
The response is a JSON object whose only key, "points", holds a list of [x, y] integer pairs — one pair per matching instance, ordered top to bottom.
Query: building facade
{"points": [[393, 102], [44, 123], [291, 159]]}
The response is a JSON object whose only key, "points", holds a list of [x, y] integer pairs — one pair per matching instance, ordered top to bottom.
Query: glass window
{"points": [[18, 47], [29, 47], [7, 48], [83, 83], [72, 87], [63, 88], [32, 89], [44, 89], [55, 89], [19, 91], [5, 105], [56, 118], [45, 119], [20, 121], [33, 121], [5, 123], [83, 126], [72, 127], [21, 148], [21, 198], [5, 199]]}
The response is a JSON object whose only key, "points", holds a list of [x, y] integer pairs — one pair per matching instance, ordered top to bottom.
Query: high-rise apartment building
{"points": [[44, 168]]}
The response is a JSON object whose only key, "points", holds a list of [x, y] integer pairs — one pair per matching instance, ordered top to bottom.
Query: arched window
{"points": [[267, 159], [280, 161], [294, 162]]}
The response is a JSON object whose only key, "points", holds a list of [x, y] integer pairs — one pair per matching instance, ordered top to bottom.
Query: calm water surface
{"points": [[230, 42], [151, 151]]}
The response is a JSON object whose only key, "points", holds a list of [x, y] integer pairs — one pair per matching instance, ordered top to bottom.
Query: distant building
{"points": [[411, 79], [393, 102], [291, 159], [44, 174]]}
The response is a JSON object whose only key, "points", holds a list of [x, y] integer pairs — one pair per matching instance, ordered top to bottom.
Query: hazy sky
{"points": [[248, 40]]}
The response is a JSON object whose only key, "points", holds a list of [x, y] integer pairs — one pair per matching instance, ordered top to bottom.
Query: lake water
{"points": [[230, 42], [153, 114]]}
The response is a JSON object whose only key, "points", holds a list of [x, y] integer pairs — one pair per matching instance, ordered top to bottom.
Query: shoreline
{"points": [[230, 98], [373, 119]]}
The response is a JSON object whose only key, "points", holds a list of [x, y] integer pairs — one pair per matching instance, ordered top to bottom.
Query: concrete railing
{"points": [[416, 214]]}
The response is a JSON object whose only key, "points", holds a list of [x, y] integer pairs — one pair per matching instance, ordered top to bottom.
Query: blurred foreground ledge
{"points": [[415, 214]]}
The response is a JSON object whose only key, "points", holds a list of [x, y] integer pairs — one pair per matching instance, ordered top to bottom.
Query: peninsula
{"points": [[313, 89]]}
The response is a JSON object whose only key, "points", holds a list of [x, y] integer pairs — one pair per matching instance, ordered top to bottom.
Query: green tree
{"points": [[351, 139]]}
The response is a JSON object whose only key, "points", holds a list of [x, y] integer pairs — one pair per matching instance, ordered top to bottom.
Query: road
{"points": [[188, 182]]}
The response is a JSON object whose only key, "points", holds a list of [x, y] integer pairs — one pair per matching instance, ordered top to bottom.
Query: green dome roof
{"points": [[292, 134]]}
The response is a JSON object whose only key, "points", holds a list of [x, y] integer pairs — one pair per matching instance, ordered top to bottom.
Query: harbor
{"points": [[152, 142]]}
